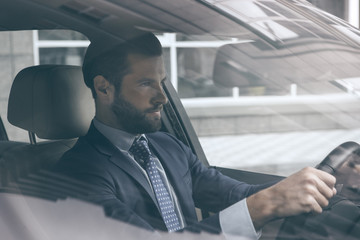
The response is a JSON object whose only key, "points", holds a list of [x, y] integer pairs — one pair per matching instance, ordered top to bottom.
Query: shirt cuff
{"points": [[235, 221]]}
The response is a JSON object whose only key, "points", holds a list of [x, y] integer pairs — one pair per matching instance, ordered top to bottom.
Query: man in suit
{"points": [[127, 84]]}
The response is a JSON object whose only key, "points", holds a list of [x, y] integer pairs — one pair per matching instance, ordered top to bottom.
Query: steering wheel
{"points": [[337, 157], [330, 224]]}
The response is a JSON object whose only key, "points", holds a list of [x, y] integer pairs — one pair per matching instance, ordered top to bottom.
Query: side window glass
{"points": [[3, 134]]}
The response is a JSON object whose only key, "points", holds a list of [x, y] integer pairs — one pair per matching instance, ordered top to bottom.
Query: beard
{"points": [[133, 120]]}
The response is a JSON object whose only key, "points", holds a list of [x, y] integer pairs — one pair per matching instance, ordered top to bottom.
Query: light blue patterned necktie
{"points": [[141, 152]]}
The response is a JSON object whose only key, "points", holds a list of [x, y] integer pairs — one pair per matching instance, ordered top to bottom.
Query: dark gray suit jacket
{"points": [[120, 186]]}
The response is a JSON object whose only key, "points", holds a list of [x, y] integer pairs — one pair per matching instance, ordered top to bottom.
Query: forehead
{"points": [[141, 64]]}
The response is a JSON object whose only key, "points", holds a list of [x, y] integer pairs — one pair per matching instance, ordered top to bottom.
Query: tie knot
{"points": [[141, 151]]}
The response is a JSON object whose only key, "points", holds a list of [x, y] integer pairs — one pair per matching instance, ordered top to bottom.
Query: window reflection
{"points": [[262, 18], [277, 23], [274, 30], [348, 32], [60, 35], [68, 56], [195, 68], [351, 85]]}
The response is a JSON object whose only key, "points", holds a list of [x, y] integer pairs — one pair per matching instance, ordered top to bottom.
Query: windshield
{"points": [[281, 95]]}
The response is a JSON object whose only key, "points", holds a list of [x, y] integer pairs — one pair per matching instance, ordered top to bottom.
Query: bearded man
{"points": [[152, 180]]}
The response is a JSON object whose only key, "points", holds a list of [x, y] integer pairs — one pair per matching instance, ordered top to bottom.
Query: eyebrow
{"points": [[150, 79]]}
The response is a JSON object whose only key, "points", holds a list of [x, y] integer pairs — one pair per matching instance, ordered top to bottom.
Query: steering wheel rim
{"points": [[337, 157]]}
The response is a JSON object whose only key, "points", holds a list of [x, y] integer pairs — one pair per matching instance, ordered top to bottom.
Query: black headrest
{"points": [[51, 101]]}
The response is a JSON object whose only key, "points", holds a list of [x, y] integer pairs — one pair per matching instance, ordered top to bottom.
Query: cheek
{"points": [[138, 99]]}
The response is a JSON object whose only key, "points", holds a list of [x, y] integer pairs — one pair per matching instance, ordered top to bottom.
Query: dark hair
{"points": [[112, 63]]}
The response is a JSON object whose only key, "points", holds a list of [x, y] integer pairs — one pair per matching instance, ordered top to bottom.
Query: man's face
{"points": [[141, 97]]}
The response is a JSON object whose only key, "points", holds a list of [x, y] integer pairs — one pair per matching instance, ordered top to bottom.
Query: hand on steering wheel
{"points": [[304, 226]]}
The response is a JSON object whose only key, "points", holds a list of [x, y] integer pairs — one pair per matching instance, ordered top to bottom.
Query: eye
{"points": [[145, 83]]}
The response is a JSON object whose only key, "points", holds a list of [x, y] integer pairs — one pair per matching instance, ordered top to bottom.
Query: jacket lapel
{"points": [[103, 145], [175, 175]]}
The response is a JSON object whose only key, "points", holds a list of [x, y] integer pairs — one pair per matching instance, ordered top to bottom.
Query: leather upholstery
{"points": [[51, 101]]}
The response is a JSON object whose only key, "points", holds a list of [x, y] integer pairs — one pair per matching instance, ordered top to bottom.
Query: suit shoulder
{"points": [[164, 137], [168, 142], [82, 146], [83, 152]]}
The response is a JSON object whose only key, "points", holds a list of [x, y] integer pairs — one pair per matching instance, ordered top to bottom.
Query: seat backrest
{"points": [[53, 102]]}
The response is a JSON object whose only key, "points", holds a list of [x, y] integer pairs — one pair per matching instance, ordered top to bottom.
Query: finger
{"points": [[327, 178], [322, 181], [316, 189], [324, 189], [314, 198], [321, 200], [312, 203], [316, 207]]}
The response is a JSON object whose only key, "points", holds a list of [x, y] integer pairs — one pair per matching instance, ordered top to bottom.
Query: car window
{"points": [[287, 93], [293, 103], [3, 133]]}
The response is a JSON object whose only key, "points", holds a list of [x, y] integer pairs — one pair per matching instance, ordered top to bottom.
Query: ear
{"points": [[104, 90]]}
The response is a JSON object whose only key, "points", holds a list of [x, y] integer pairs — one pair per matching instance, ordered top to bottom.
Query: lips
{"points": [[155, 110], [154, 113]]}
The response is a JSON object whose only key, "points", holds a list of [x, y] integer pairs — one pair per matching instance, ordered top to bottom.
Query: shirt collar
{"points": [[121, 139]]}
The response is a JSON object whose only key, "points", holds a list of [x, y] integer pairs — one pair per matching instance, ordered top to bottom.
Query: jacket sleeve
{"points": [[211, 190]]}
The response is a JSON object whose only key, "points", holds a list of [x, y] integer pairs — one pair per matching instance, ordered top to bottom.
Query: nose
{"points": [[160, 97]]}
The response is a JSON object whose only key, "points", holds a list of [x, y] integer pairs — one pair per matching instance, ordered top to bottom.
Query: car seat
{"points": [[52, 103]]}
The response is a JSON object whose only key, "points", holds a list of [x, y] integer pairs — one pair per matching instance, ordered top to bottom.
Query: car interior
{"points": [[48, 102], [54, 110]]}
